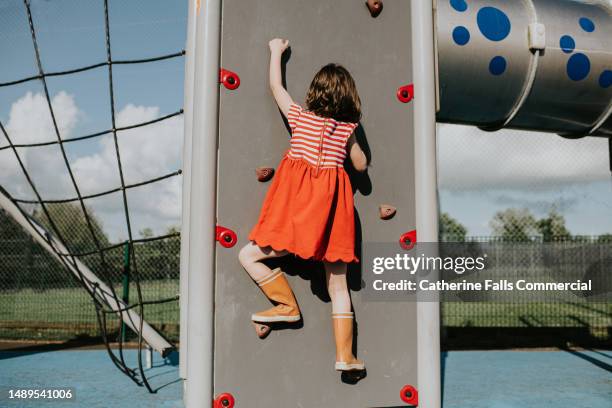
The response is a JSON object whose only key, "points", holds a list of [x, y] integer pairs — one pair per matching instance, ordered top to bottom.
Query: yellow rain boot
{"points": [[276, 287], [343, 331]]}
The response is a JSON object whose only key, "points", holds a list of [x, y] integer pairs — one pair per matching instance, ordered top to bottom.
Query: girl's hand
{"points": [[278, 45]]}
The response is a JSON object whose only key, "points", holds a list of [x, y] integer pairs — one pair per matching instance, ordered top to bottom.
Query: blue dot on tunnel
{"points": [[459, 5], [493, 23], [587, 24], [461, 35], [567, 44], [497, 66], [578, 67], [605, 79]]}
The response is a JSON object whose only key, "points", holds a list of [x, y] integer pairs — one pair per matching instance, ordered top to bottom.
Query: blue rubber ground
{"points": [[474, 379], [528, 379]]}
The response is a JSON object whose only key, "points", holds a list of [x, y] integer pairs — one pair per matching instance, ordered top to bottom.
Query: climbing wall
{"points": [[295, 367]]}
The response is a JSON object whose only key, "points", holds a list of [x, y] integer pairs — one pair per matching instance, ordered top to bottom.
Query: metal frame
{"points": [[426, 192], [202, 199], [185, 211]]}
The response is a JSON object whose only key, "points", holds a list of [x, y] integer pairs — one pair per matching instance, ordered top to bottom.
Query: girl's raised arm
{"points": [[282, 97]]}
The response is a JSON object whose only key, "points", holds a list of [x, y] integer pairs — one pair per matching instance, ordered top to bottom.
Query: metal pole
{"points": [[423, 71], [187, 144], [203, 200], [125, 296], [148, 357]]}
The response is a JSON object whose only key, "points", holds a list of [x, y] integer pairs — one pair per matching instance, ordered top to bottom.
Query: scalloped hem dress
{"points": [[308, 210]]}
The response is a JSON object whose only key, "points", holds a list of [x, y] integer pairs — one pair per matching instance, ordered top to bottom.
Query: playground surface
{"points": [[475, 379]]}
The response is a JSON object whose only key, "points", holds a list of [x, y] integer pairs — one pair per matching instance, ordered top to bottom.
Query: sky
{"points": [[71, 34], [479, 173]]}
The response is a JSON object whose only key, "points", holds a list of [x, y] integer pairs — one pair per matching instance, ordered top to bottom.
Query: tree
{"points": [[516, 225], [72, 226], [553, 227], [175, 229], [451, 229], [146, 233], [604, 238], [158, 258], [23, 263]]}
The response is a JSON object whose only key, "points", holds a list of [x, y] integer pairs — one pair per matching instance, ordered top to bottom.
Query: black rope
{"points": [[145, 60], [90, 67], [102, 133], [124, 193], [101, 194], [35, 226], [115, 246], [66, 260], [69, 260], [81, 278], [146, 302], [104, 333], [120, 363]]}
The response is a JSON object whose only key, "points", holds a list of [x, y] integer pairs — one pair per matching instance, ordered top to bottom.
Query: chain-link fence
{"points": [[41, 300], [581, 317]]}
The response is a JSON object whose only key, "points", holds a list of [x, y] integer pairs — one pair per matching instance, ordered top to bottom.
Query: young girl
{"points": [[308, 210]]}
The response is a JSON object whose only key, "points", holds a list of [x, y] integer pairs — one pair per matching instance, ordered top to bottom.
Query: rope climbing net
{"points": [[52, 234]]}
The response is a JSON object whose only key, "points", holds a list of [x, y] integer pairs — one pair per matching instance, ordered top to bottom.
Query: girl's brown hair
{"points": [[333, 94]]}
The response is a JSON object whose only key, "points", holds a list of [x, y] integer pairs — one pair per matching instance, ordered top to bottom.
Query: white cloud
{"points": [[30, 119], [30, 122], [146, 152], [471, 159]]}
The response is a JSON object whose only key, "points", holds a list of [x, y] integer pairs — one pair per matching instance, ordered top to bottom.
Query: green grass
{"points": [[66, 312]]}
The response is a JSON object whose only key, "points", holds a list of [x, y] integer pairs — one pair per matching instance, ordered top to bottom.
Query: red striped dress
{"points": [[308, 209]]}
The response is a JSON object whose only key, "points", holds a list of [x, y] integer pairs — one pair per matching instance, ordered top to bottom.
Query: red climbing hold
{"points": [[375, 7], [229, 79], [405, 93], [226, 237], [408, 240], [410, 395], [225, 400]]}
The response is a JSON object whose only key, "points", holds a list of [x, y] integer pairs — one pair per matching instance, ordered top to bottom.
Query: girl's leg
{"points": [[251, 256], [335, 273], [273, 283], [342, 317]]}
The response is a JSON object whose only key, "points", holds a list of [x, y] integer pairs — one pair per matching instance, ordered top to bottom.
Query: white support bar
{"points": [[187, 149], [426, 192], [92, 283], [200, 335], [148, 357]]}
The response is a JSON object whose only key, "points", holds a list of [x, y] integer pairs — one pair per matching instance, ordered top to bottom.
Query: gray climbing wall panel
{"points": [[294, 367]]}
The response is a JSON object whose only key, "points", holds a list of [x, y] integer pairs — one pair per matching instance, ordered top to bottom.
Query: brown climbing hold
{"points": [[375, 7], [264, 173], [387, 211], [262, 330]]}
